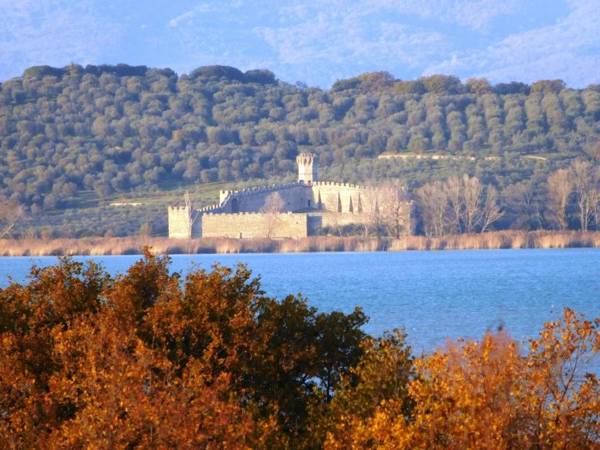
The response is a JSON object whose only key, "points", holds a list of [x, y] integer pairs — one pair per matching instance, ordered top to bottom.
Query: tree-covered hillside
{"points": [[117, 129]]}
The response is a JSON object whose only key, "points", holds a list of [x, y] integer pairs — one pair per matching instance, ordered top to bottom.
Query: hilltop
{"points": [[82, 137]]}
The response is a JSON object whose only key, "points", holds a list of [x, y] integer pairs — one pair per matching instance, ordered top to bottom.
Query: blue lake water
{"points": [[432, 295]]}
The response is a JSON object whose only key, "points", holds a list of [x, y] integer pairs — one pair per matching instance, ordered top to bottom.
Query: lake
{"points": [[432, 295]]}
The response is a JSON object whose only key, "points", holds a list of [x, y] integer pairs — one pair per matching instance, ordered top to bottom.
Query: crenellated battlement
{"points": [[305, 158], [338, 184], [259, 189], [213, 207], [178, 209], [252, 214]]}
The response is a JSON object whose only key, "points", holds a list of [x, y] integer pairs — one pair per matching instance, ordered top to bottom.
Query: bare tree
{"points": [[585, 186], [560, 187], [454, 189], [472, 199], [433, 203], [274, 205], [458, 205], [393, 208], [490, 212], [10, 214], [374, 222]]}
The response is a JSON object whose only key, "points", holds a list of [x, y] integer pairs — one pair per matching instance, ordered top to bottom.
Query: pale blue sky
{"points": [[317, 41]]}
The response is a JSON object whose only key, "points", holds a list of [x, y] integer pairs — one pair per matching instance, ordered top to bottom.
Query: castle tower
{"points": [[307, 167], [180, 222]]}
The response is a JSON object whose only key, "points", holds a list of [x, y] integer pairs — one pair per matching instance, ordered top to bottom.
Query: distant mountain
{"points": [[121, 128]]}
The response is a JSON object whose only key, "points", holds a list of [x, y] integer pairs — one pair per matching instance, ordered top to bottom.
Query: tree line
{"points": [[122, 129], [568, 199], [152, 359]]}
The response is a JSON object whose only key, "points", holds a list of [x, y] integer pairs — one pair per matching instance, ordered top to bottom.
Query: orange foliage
{"points": [[149, 360], [152, 361], [75, 371], [490, 395]]}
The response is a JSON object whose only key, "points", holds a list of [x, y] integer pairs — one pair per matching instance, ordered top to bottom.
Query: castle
{"points": [[292, 210]]}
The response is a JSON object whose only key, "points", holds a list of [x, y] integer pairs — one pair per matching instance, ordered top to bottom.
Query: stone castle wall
{"points": [[294, 195], [326, 196], [343, 197], [319, 220], [333, 220], [255, 225]]}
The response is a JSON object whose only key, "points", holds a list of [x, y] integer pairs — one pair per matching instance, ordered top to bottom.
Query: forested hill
{"points": [[119, 128]]}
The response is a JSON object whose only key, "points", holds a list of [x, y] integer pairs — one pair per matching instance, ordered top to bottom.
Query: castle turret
{"points": [[307, 167], [180, 222]]}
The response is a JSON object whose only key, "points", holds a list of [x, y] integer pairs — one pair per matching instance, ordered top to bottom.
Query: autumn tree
{"points": [[30, 317], [153, 360], [379, 380], [493, 394]]}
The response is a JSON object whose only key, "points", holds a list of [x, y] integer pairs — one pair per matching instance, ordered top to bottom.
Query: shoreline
{"points": [[98, 246]]}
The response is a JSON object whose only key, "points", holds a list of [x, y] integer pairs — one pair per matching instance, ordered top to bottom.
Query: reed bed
{"points": [[135, 244]]}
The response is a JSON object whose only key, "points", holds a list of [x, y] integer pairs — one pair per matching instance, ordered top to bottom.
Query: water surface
{"points": [[433, 295]]}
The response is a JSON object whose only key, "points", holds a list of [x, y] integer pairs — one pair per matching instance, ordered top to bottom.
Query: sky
{"points": [[312, 41]]}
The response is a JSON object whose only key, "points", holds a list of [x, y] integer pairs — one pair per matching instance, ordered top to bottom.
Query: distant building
{"points": [[293, 210]]}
